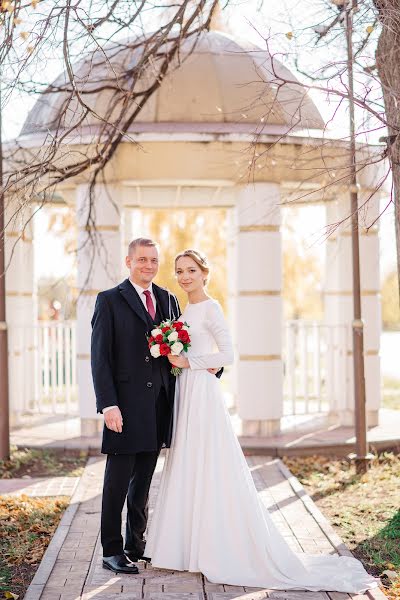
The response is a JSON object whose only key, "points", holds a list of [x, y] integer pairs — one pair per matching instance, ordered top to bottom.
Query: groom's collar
{"points": [[141, 289], [132, 297]]}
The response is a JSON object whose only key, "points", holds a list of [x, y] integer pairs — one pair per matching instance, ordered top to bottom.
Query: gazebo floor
{"points": [[298, 437]]}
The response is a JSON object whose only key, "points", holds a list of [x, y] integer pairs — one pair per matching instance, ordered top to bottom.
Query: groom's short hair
{"points": [[141, 242]]}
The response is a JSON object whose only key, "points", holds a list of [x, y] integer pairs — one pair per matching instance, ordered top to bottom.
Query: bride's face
{"points": [[189, 275]]}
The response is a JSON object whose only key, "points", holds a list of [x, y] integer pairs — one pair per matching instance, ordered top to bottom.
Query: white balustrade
{"points": [[53, 357], [314, 361], [314, 366]]}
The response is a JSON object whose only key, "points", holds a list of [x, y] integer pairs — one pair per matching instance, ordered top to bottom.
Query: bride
{"points": [[208, 517]]}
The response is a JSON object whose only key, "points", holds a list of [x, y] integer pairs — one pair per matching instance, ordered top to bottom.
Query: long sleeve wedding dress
{"points": [[208, 517]]}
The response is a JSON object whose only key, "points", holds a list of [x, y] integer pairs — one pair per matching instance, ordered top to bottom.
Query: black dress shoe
{"points": [[134, 557], [119, 564]]}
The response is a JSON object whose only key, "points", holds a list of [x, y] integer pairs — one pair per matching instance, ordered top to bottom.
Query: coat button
{"points": [[147, 358], [149, 384]]}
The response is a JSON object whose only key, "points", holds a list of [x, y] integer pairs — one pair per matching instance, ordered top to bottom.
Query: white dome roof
{"points": [[220, 81]]}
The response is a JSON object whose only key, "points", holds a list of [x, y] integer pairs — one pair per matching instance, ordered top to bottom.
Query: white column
{"points": [[100, 258], [232, 266], [339, 308], [21, 310], [259, 310]]}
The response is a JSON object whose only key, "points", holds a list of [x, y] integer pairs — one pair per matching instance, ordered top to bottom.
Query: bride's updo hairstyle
{"points": [[199, 258]]}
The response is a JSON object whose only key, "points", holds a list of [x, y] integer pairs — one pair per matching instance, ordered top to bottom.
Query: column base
{"points": [[332, 417], [346, 418], [372, 418], [14, 419], [91, 427], [264, 428]]}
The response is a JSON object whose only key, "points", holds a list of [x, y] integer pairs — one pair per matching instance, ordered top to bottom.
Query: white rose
{"points": [[156, 332], [173, 336], [176, 348], [155, 350]]}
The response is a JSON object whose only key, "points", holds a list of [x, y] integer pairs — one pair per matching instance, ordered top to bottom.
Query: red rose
{"points": [[177, 325], [165, 329], [183, 336], [159, 338], [151, 339], [164, 349]]}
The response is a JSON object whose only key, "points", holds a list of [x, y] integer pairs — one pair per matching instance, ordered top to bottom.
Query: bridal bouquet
{"points": [[170, 337]]}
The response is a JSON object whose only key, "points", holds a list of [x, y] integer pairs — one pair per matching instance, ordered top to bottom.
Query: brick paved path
{"points": [[39, 486], [71, 568]]}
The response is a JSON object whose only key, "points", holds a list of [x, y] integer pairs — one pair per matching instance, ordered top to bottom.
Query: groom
{"points": [[135, 393]]}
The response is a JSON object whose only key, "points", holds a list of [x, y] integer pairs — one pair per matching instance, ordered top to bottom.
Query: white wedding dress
{"points": [[208, 517]]}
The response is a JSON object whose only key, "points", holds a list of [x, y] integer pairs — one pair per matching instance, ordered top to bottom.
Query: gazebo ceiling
{"points": [[222, 81]]}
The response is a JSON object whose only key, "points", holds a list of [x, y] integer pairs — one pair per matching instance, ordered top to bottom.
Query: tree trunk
{"points": [[388, 65]]}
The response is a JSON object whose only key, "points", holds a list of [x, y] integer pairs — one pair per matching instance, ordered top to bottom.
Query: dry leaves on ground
{"points": [[364, 508], [26, 527]]}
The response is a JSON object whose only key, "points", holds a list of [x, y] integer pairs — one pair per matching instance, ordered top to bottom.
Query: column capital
{"points": [[259, 207]]}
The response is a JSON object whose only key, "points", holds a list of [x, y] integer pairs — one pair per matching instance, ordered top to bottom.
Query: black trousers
{"points": [[128, 476]]}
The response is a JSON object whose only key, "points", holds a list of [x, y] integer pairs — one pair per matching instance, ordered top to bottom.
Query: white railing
{"points": [[314, 359], [42, 361], [43, 367]]}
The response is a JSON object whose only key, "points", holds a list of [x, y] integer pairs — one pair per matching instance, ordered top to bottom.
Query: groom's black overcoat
{"points": [[125, 373]]}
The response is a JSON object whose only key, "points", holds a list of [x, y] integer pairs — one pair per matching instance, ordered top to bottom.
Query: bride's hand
{"points": [[178, 361]]}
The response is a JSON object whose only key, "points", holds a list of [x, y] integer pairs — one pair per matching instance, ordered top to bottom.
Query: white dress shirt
{"points": [[142, 296]]}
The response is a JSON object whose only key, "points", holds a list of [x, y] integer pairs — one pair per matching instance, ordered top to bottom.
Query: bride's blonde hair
{"points": [[199, 258]]}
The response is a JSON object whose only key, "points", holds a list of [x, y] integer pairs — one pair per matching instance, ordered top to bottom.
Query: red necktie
{"points": [[149, 304]]}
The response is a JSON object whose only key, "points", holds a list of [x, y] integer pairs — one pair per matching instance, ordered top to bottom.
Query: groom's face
{"points": [[143, 265]]}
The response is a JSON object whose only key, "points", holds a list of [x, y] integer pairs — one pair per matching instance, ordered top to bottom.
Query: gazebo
{"points": [[214, 115]]}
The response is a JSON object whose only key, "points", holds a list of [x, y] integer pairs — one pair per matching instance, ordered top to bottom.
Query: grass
{"points": [[41, 463], [364, 508], [26, 527]]}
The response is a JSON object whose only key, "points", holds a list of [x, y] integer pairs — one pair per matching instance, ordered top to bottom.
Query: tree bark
{"points": [[388, 65]]}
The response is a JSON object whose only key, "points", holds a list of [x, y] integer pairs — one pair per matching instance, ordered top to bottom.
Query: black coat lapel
{"points": [[132, 297], [162, 301], [169, 309]]}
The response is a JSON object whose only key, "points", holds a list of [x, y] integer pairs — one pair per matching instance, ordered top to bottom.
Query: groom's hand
{"points": [[113, 420]]}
